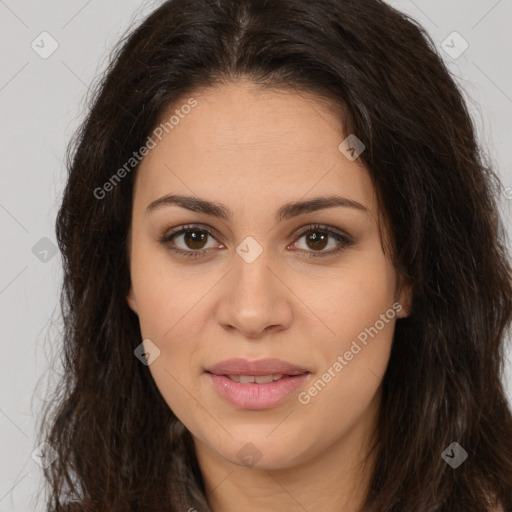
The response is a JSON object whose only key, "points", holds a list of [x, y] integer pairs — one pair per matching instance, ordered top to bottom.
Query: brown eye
{"points": [[195, 239], [317, 240], [190, 241]]}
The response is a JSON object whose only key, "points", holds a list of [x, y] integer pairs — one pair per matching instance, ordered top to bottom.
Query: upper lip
{"points": [[239, 366]]}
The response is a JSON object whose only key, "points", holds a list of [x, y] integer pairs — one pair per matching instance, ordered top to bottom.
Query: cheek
{"points": [[166, 294], [356, 297], [170, 303], [360, 314], [168, 315]]}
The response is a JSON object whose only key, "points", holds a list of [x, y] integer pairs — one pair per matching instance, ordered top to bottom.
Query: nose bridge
{"points": [[254, 279], [253, 299]]}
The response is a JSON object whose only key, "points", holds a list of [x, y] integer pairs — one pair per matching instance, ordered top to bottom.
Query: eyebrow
{"points": [[287, 211]]}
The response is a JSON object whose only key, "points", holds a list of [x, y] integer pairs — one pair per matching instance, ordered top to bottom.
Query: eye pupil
{"points": [[195, 239], [319, 241]]}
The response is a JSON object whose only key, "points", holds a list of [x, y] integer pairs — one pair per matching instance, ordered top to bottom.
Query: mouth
{"points": [[260, 368], [258, 379], [256, 385]]}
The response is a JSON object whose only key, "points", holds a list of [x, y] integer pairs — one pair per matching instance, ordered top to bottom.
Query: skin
{"points": [[253, 150]]}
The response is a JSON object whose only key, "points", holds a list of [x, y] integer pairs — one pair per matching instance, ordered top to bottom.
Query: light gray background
{"points": [[42, 102]]}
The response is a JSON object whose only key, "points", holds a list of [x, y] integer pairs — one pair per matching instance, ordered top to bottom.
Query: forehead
{"points": [[247, 143]]}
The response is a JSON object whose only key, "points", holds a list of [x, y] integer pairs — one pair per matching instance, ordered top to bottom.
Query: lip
{"points": [[240, 366], [253, 396], [256, 396]]}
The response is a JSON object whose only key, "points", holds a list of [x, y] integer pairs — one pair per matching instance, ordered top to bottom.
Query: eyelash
{"points": [[343, 239]]}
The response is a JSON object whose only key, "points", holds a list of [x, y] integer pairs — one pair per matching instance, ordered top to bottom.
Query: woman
{"points": [[284, 282]]}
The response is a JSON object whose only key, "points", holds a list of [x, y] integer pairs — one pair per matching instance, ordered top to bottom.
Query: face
{"points": [[241, 275]]}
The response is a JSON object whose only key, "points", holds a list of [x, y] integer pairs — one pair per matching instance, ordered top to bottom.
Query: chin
{"points": [[264, 454]]}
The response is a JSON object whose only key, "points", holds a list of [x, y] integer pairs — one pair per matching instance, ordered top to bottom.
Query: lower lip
{"points": [[256, 396]]}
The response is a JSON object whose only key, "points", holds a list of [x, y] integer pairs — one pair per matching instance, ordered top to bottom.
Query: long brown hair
{"points": [[119, 446]]}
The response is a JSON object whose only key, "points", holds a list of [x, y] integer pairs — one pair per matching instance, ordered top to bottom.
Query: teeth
{"points": [[259, 379], [265, 379]]}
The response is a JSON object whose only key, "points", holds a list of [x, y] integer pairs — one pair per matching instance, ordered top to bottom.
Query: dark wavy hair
{"points": [[119, 446]]}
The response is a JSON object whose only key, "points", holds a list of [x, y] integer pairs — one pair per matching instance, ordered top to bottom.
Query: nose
{"points": [[254, 300]]}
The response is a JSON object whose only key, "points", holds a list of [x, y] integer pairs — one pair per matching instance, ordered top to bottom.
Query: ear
{"points": [[130, 298], [405, 299]]}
